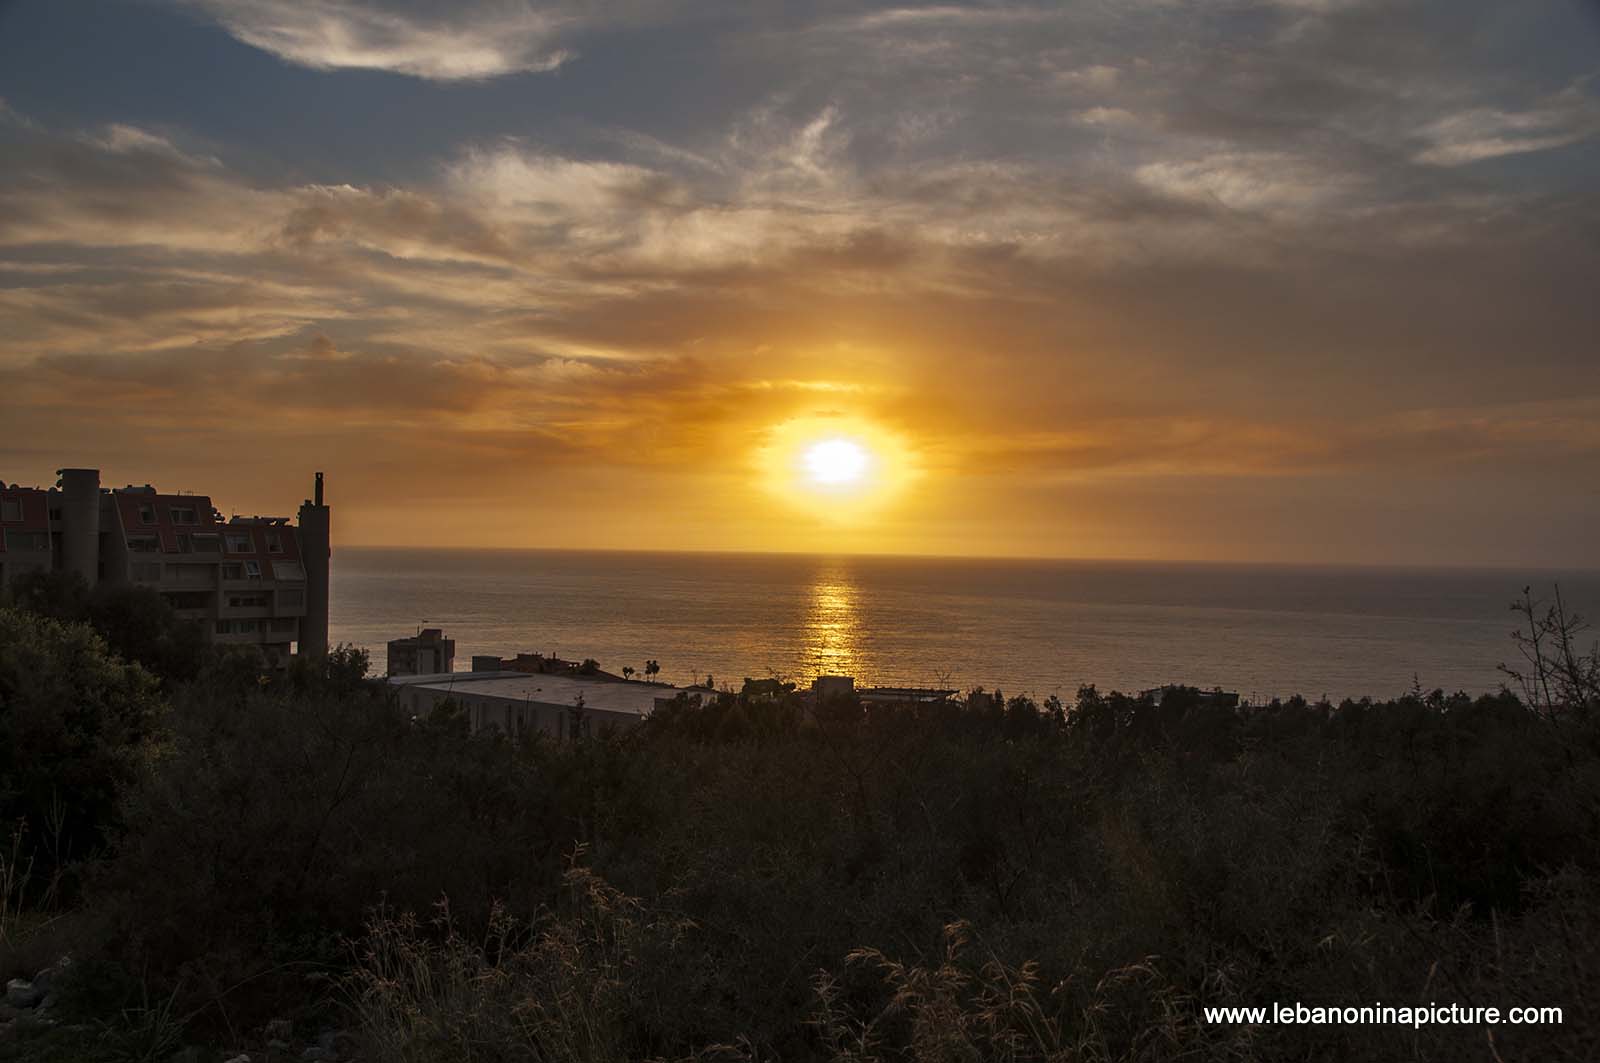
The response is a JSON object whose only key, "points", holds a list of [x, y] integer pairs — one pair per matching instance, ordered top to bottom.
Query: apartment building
{"points": [[258, 581], [427, 652]]}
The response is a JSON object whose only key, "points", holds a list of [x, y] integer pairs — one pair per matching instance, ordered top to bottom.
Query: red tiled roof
{"points": [[130, 502], [35, 511], [256, 535]]}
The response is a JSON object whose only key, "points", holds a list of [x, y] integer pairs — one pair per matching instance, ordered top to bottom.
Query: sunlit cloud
{"points": [[441, 42], [1488, 132], [1048, 256]]}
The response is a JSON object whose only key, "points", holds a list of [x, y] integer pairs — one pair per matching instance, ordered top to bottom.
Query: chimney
{"points": [[80, 522], [315, 549]]}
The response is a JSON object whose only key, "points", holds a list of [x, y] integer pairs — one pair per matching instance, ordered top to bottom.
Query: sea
{"points": [[1022, 626]]}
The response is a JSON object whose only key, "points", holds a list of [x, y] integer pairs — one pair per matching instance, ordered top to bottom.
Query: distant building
{"points": [[258, 581], [426, 653], [539, 664], [828, 687], [904, 695], [1218, 698], [981, 700], [517, 703]]}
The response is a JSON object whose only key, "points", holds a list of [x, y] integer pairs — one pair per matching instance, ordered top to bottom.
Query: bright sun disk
{"points": [[835, 462]]}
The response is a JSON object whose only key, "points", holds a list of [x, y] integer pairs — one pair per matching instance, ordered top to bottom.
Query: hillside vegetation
{"points": [[227, 857]]}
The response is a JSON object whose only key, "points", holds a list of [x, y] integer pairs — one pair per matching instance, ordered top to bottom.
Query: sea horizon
{"points": [[1444, 566], [1028, 626]]}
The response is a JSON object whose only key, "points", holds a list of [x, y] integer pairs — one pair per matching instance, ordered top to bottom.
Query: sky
{"points": [[1262, 280]]}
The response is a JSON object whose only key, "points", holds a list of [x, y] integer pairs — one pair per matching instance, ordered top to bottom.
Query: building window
{"points": [[11, 509], [147, 513], [184, 515], [27, 540], [274, 542], [239, 543], [143, 544], [206, 544], [232, 570], [252, 570], [288, 570], [187, 599], [247, 601], [224, 627]]}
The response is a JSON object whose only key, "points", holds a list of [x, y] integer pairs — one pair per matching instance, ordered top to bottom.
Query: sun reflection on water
{"points": [[832, 632]]}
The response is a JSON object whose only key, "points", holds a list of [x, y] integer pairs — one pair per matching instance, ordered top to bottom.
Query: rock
{"points": [[48, 978], [21, 993], [279, 1030], [315, 1054], [242, 1057]]}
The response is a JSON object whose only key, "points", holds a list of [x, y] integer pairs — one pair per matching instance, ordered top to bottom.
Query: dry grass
{"points": [[564, 988]]}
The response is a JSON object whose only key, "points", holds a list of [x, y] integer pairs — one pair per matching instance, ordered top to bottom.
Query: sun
{"points": [[835, 462], [834, 467]]}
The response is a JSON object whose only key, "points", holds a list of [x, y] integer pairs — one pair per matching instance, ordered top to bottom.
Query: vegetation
{"points": [[754, 878]]}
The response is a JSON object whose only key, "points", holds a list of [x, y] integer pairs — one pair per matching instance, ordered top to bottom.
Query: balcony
{"points": [[246, 612]]}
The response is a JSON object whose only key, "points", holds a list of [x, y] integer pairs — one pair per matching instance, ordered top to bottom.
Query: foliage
{"points": [[136, 623], [74, 720], [762, 878], [568, 986]]}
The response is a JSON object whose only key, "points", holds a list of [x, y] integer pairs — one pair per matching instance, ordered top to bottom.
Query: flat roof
{"points": [[633, 697]]}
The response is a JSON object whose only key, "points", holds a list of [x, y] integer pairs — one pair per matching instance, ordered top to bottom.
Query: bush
{"points": [[75, 725], [950, 881]]}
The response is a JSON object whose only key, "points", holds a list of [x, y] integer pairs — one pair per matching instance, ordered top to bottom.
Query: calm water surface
{"points": [[1036, 627]]}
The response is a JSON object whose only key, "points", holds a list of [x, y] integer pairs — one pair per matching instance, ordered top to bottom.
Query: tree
{"points": [[59, 595], [136, 622], [651, 669], [1558, 676], [577, 718], [74, 723]]}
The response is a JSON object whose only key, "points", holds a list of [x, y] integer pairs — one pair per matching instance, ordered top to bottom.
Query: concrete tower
{"points": [[80, 522], [315, 549]]}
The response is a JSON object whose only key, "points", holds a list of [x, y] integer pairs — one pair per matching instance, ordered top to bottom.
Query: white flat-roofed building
{"points": [[515, 703]]}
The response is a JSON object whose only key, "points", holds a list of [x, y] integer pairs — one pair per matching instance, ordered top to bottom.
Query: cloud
{"points": [[450, 42], [9, 115], [1489, 132], [1248, 181], [1068, 249]]}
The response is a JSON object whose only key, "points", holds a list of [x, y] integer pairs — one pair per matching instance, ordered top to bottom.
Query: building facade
{"points": [[256, 581], [427, 652], [520, 703]]}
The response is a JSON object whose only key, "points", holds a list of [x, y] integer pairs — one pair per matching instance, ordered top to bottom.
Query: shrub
{"points": [[75, 724]]}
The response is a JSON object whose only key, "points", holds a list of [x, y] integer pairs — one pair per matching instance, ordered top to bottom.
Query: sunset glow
{"points": [[1000, 278]]}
